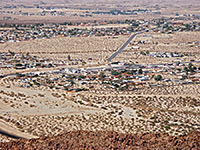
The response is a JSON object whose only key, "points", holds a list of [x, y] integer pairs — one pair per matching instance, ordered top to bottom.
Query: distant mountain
{"points": [[192, 2]]}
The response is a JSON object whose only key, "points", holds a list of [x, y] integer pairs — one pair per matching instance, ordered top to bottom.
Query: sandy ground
{"points": [[59, 48], [39, 101], [42, 111]]}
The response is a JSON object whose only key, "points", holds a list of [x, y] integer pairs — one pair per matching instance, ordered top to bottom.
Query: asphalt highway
{"points": [[123, 46]]}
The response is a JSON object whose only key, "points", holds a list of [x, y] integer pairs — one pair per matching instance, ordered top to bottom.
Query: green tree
{"points": [[69, 57], [191, 67], [186, 69], [140, 71], [158, 78], [72, 82]]}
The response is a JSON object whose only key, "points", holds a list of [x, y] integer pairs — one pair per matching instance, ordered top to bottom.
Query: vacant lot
{"points": [[96, 48]]}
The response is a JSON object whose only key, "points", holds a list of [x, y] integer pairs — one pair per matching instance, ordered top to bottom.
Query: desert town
{"points": [[17, 33], [130, 76], [126, 97]]}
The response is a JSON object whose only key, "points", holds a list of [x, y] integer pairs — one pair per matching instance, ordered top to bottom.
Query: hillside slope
{"points": [[108, 140]]}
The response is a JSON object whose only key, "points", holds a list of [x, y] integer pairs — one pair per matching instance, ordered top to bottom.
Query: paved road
{"points": [[123, 46], [11, 132], [10, 135]]}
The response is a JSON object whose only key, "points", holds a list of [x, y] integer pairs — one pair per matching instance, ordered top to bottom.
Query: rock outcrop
{"points": [[107, 140]]}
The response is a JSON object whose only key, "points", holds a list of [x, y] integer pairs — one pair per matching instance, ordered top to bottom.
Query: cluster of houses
{"points": [[45, 13], [173, 26], [32, 33], [164, 55], [17, 61], [118, 76]]}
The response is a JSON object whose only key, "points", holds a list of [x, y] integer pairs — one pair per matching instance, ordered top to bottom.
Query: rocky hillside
{"points": [[107, 140]]}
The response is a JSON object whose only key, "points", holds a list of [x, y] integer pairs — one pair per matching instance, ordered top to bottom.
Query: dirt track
{"points": [[11, 132]]}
